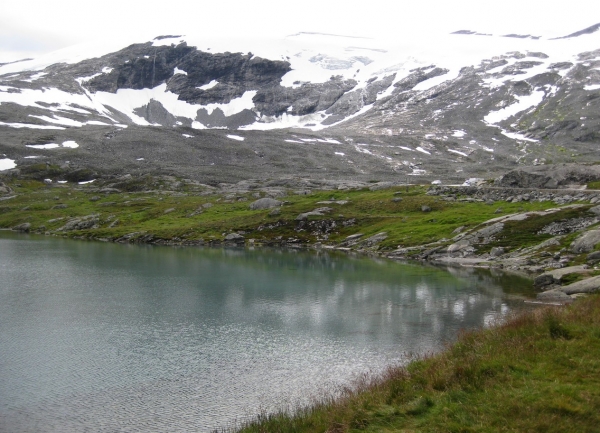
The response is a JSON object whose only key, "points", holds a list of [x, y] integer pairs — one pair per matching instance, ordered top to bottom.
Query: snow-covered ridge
{"points": [[314, 59]]}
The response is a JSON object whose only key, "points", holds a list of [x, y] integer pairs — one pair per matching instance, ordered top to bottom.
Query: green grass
{"points": [[594, 185], [368, 212], [540, 372]]}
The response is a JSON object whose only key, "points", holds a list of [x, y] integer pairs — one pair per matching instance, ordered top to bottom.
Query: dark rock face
{"points": [[142, 66]]}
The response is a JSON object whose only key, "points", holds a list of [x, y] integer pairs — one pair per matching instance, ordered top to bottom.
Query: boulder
{"points": [[550, 176], [265, 203], [595, 210], [317, 212], [87, 222], [25, 227], [234, 238], [374, 240], [586, 242], [458, 246], [497, 251], [595, 256], [555, 276], [543, 280], [589, 285], [554, 295]]}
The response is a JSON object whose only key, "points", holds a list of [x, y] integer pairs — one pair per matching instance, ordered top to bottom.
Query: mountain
{"points": [[465, 105]]}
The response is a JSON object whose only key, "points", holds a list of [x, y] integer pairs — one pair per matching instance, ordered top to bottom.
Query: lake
{"points": [[103, 337]]}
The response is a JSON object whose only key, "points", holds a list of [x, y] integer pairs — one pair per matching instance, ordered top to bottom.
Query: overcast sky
{"points": [[33, 27]]}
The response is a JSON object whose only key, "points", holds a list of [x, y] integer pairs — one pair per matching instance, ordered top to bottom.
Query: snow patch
{"points": [[179, 71], [35, 77], [435, 81], [208, 86], [592, 87], [523, 103], [59, 120], [30, 126], [458, 133], [188, 135], [517, 136], [235, 137], [294, 141], [328, 141], [68, 144], [43, 146], [361, 149], [420, 149], [458, 152], [340, 153], [7, 164], [474, 181], [86, 182]]}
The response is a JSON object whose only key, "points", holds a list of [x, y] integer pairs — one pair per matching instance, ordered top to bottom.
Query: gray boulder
{"points": [[265, 203], [595, 210], [317, 212], [87, 222], [25, 227], [234, 238], [374, 240], [586, 242], [458, 246], [497, 251], [593, 257], [543, 280], [589, 285], [555, 295]]}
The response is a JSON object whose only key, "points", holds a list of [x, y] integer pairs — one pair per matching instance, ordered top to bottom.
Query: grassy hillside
{"points": [[189, 214]]}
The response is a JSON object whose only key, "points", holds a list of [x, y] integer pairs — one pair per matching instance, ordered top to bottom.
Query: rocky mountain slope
{"points": [[318, 106]]}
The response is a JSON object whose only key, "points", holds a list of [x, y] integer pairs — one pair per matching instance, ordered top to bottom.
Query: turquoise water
{"points": [[104, 337]]}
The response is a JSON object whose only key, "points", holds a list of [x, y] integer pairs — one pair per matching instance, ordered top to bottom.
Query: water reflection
{"points": [[134, 338]]}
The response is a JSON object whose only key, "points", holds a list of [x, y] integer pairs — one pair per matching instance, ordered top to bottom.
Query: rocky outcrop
{"points": [[550, 176], [83, 223], [24, 227], [234, 238], [586, 242], [555, 276], [567, 293]]}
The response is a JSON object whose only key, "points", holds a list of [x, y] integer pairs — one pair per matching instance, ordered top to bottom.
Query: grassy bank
{"points": [[188, 214], [540, 372]]}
